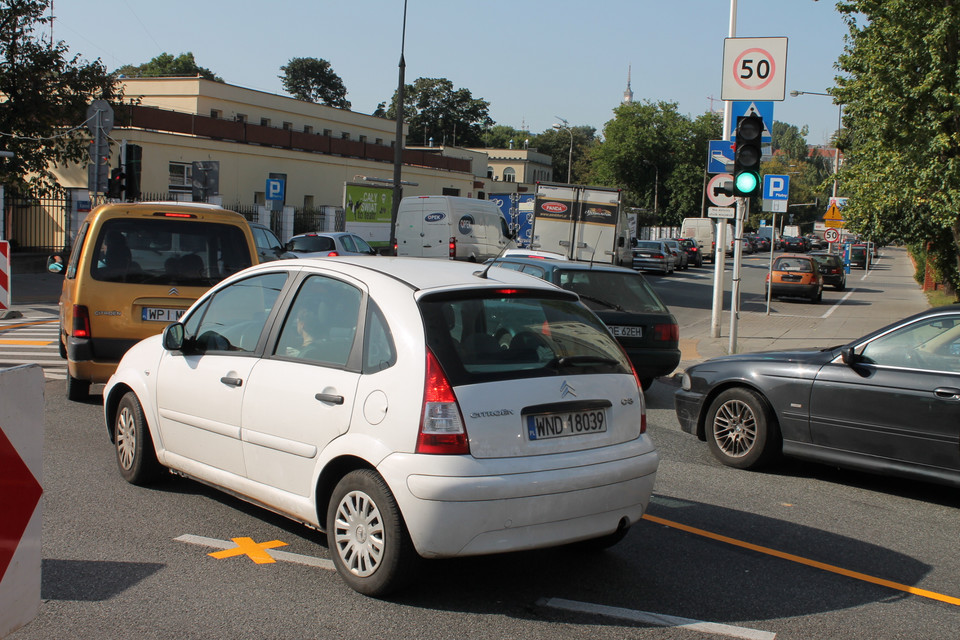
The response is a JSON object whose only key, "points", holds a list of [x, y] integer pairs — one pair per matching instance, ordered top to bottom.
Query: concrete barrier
{"points": [[21, 456]]}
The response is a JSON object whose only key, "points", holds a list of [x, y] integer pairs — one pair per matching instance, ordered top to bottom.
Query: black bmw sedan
{"points": [[888, 402]]}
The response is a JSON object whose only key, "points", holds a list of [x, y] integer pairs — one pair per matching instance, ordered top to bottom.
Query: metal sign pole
{"points": [[773, 242], [735, 283]]}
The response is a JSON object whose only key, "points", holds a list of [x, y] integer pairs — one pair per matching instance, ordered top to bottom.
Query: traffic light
{"points": [[746, 156], [132, 164], [115, 187]]}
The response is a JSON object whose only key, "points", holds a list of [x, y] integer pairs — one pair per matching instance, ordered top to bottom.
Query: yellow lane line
{"points": [[8, 327], [806, 561]]}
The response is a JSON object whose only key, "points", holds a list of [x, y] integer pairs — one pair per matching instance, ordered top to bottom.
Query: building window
{"points": [[216, 113], [241, 117], [264, 122], [287, 126], [307, 128], [327, 132], [345, 135], [363, 138], [379, 141], [490, 172], [509, 175], [180, 177], [450, 191], [259, 198], [308, 202]]}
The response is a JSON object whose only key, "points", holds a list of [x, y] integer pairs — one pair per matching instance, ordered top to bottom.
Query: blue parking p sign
{"points": [[776, 187], [275, 189]]}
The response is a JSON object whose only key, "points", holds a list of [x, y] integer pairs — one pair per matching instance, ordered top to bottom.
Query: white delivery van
{"points": [[451, 228], [704, 232]]}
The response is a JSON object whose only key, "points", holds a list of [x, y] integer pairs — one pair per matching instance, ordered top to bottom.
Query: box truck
{"points": [[581, 223]]}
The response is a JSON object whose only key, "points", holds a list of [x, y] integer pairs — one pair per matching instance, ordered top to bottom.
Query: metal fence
{"points": [[36, 224], [42, 225]]}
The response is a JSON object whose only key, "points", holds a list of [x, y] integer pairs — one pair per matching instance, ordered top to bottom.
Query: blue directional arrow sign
{"points": [[721, 155]]}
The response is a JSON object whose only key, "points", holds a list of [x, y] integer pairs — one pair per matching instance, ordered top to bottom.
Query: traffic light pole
{"points": [[742, 208], [718, 260]]}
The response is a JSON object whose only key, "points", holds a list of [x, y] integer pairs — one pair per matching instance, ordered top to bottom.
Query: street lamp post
{"points": [[558, 127], [398, 143], [836, 162]]}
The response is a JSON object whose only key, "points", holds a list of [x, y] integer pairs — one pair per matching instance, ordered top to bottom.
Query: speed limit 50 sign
{"points": [[754, 69]]}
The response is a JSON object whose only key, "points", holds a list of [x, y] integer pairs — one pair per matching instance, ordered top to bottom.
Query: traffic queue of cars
{"points": [[504, 400]]}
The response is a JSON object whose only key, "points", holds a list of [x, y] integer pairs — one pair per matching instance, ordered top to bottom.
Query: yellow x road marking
{"points": [[257, 551]]}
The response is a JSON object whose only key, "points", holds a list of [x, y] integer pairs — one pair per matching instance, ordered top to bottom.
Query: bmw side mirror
{"points": [[173, 337], [848, 356]]}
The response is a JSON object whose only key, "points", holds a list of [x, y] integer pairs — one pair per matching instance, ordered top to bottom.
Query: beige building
{"points": [[246, 137], [526, 166]]}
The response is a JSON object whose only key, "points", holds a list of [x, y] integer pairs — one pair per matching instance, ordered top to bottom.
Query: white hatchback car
{"points": [[405, 410]]}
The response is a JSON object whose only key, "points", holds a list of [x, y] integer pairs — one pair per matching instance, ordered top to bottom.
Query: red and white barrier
{"points": [[4, 275], [21, 454]]}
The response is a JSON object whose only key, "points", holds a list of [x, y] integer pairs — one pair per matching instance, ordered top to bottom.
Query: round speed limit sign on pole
{"points": [[754, 69], [831, 235]]}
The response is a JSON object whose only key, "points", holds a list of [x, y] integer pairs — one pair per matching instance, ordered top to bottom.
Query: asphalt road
{"points": [[805, 551]]}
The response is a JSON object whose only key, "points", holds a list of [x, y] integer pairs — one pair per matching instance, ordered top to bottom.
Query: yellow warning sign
{"points": [[833, 218]]}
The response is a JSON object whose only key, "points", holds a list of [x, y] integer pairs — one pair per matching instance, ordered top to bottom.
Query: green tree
{"points": [[165, 65], [313, 80], [46, 95], [901, 107], [434, 109], [500, 136], [556, 144], [657, 155]]}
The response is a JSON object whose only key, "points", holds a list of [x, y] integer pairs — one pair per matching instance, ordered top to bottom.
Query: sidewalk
{"points": [[873, 299]]}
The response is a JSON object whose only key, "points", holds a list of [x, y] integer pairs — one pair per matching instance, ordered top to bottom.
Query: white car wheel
{"points": [[366, 535]]}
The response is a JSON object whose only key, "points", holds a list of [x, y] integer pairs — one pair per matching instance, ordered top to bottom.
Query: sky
{"points": [[534, 61]]}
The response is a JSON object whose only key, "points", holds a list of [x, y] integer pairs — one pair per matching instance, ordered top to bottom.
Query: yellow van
{"points": [[134, 268]]}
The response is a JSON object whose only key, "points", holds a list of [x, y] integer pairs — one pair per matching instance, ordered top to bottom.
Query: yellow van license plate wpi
{"points": [[160, 314]]}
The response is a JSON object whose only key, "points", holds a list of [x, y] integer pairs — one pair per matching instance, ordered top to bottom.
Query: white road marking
{"points": [[838, 303], [286, 556], [657, 619]]}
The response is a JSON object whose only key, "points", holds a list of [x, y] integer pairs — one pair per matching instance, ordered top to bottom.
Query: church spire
{"points": [[628, 94]]}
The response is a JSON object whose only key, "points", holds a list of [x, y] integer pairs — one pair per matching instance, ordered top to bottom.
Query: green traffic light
{"points": [[747, 182]]}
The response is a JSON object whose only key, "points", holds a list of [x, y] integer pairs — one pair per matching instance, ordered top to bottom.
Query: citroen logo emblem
{"points": [[173, 291], [567, 390]]}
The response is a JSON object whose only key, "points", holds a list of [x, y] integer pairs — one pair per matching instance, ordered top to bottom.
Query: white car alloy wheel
{"points": [[126, 437], [136, 457], [358, 531], [367, 538]]}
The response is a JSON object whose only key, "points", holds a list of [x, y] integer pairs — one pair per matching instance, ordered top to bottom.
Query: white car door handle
{"points": [[233, 382], [329, 397]]}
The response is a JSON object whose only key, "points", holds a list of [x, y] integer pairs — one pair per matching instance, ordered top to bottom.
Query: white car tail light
{"points": [[441, 426]]}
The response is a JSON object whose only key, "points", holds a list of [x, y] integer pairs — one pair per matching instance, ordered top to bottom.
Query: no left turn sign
{"points": [[754, 69]]}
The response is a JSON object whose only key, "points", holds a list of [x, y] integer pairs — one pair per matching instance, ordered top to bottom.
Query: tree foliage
{"points": [[166, 65], [313, 80], [46, 98], [433, 109], [902, 110], [556, 144], [657, 155]]}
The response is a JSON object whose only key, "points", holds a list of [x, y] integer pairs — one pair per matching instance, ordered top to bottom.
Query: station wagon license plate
{"points": [[160, 314], [627, 332], [558, 425]]}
